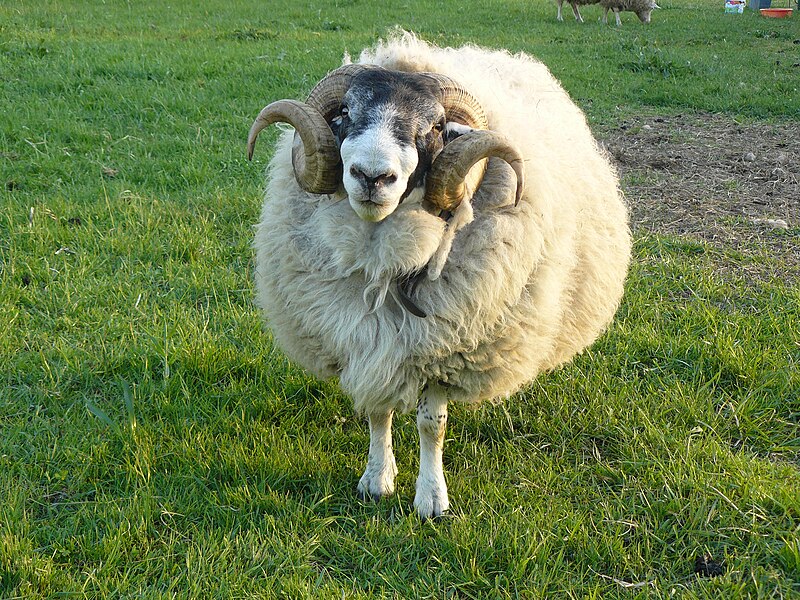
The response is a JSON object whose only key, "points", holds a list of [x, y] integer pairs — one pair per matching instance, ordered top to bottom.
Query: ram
{"points": [[440, 227]]}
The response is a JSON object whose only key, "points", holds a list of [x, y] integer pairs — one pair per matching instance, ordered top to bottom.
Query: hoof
{"points": [[377, 483], [366, 496], [432, 505], [440, 518]]}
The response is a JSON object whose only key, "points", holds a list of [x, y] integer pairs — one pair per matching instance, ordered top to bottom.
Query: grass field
{"points": [[154, 443]]}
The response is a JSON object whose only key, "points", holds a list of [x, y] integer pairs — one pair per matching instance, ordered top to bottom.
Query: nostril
{"points": [[357, 173], [387, 179], [373, 181]]}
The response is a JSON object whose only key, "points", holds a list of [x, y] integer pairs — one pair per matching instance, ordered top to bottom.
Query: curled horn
{"points": [[327, 95], [459, 105], [315, 155], [316, 159], [445, 183]]}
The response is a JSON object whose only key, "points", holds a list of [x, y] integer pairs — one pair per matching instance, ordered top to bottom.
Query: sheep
{"points": [[642, 8], [575, 10], [441, 227]]}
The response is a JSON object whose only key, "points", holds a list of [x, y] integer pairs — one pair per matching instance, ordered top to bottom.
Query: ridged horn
{"points": [[327, 95], [459, 105], [315, 154], [316, 161], [445, 188]]}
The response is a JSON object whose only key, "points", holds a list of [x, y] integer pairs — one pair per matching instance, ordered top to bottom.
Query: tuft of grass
{"points": [[651, 59], [153, 441]]}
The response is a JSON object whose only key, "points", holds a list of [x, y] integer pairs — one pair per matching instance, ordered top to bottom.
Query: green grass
{"points": [[154, 444]]}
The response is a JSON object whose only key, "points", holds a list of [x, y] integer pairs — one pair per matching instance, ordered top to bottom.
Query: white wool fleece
{"points": [[520, 289]]}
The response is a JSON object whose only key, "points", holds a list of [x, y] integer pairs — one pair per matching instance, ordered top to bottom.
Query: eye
{"points": [[345, 111], [439, 127]]}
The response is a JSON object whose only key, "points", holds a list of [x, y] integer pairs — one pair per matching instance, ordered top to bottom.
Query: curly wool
{"points": [[523, 288]]}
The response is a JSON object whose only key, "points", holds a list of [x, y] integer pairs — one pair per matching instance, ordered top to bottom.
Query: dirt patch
{"points": [[712, 178]]}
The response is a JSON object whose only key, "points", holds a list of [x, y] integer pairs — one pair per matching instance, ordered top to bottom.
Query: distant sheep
{"points": [[642, 8], [393, 255]]}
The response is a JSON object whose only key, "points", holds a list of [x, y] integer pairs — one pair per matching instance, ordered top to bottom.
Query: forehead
{"points": [[379, 89]]}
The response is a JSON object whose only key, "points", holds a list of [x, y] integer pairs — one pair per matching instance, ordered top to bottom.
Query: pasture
{"points": [[155, 444]]}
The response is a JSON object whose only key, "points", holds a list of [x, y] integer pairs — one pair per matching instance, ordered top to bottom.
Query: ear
{"points": [[452, 130]]}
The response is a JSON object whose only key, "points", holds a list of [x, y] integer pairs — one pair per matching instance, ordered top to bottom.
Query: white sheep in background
{"points": [[642, 8], [386, 259]]}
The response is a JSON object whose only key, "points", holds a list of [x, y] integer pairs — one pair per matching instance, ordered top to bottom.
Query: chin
{"points": [[371, 212]]}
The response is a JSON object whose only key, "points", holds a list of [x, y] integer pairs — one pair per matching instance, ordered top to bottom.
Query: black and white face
{"points": [[390, 129]]}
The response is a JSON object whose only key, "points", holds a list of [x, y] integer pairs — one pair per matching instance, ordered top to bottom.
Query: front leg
{"points": [[378, 478], [431, 498]]}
